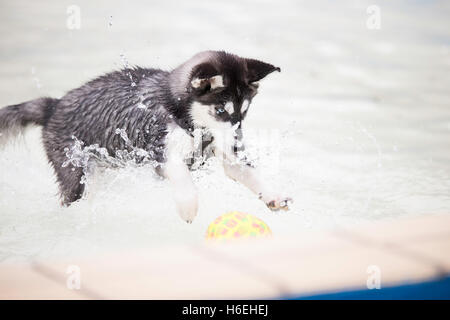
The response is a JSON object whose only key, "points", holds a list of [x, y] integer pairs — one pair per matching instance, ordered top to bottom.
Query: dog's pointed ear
{"points": [[258, 69], [206, 78]]}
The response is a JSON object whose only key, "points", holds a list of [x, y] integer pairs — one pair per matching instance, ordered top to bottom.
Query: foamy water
{"points": [[361, 118]]}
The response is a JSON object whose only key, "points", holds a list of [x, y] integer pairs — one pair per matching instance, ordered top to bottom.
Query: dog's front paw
{"points": [[279, 203], [188, 207], [187, 213]]}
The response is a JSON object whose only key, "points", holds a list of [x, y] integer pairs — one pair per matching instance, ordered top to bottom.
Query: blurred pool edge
{"points": [[435, 289]]}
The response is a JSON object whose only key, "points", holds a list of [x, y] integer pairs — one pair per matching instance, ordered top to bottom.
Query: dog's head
{"points": [[219, 87]]}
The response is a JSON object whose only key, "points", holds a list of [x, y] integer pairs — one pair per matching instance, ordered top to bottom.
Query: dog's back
{"points": [[132, 100]]}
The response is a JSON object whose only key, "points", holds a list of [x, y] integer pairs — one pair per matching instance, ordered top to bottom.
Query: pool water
{"points": [[356, 127]]}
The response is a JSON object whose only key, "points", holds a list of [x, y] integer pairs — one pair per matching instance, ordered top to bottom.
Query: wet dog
{"points": [[159, 112]]}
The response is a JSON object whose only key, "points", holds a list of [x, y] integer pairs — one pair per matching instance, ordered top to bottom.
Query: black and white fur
{"points": [[160, 112]]}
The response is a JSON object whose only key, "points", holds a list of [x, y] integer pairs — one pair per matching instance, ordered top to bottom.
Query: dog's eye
{"points": [[220, 110]]}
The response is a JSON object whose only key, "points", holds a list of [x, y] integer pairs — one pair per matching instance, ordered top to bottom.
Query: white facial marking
{"points": [[245, 105], [229, 107], [201, 115], [223, 132]]}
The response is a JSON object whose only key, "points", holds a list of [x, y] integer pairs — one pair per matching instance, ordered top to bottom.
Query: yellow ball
{"points": [[237, 225]]}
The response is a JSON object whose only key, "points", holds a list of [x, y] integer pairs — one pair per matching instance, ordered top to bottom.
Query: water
{"points": [[362, 116]]}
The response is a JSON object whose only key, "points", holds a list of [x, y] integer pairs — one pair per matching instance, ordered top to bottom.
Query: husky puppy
{"points": [[160, 112]]}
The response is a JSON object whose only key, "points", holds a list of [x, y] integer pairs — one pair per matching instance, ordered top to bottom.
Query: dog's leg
{"points": [[238, 170], [176, 171], [248, 176], [68, 177], [69, 180], [184, 190]]}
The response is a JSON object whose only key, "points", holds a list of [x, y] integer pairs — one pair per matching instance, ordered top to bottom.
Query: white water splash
{"points": [[127, 65]]}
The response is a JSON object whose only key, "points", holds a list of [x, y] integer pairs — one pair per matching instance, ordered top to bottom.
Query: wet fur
{"points": [[144, 102]]}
